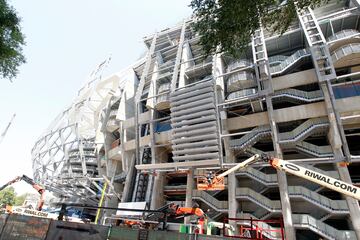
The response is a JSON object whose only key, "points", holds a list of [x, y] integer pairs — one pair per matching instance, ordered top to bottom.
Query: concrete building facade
{"points": [[295, 96]]}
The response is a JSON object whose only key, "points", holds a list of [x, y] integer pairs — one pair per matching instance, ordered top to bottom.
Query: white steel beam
{"points": [[178, 58], [177, 165]]}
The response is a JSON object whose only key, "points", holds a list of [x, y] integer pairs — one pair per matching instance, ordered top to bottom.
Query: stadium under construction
{"points": [[153, 129]]}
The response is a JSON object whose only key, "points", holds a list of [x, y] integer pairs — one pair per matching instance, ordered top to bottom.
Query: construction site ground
{"points": [[20, 227]]}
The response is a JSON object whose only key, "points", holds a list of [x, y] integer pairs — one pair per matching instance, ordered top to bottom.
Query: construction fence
{"points": [[20, 227]]}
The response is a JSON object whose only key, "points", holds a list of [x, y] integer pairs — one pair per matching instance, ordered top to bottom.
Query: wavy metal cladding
{"points": [[193, 120]]}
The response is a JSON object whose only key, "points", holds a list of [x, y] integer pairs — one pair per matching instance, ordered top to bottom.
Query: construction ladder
{"points": [[320, 51], [261, 61], [324, 67], [142, 179]]}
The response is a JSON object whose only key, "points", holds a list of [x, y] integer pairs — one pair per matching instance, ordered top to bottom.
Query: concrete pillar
{"points": [[181, 39], [186, 55], [218, 70], [151, 101], [150, 104], [336, 133], [152, 136], [337, 144], [229, 154], [124, 163], [114, 167], [282, 180], [151, 183], [190, 183], [126, 194], [157, 196], [233, 203], [352, 203], [285, 205]]}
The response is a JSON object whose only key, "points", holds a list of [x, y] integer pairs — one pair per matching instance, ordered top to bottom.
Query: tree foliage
{"points": [[227, 25], [11, 41], [7, 196], [19, 200]]}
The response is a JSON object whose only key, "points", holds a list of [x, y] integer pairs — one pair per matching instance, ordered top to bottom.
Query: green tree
{"points": [[227, 25], [11, 41], [7, 196], [19, 200]]}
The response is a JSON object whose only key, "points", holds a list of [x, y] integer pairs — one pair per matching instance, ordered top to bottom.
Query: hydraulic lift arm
{"points": [[2, 136], [241, 165], [316, 177], [30, 181], [217, 182], [10, 183], [175, 210], [189, 211]]}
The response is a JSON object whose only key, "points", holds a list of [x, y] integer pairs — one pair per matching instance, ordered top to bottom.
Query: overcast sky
{"points": [[65, 41]]}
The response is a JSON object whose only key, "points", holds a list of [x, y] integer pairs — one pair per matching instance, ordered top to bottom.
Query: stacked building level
{"points": [[180, 114]]}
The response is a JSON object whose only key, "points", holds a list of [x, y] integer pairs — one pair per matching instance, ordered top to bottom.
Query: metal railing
{"points": [[342, 34], [344, 51], [289, 62], [238, 64], [240, 80], [241, 94], [298, 95], [304, 130], [251, 138], [314, 150], [266, 179], [248, 193], [220, 206], [332, 206], [321, 228], [271, 233]]}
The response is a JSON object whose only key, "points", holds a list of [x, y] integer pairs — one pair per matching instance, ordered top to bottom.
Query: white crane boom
{"points": [[7, 128], [241, 165], [321, 179], [217, 182]]}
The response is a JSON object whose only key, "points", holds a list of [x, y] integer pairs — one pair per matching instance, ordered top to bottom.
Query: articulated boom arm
{"points": [[321, 179], [30, 181], [10, 183], [38, 188], [174, 209], [190, 211]]}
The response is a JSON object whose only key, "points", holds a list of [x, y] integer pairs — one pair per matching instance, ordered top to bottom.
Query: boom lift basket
{"points": [[203, 184]]}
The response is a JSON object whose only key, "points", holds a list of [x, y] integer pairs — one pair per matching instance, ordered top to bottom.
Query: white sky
{"points": [[66, 39]]}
